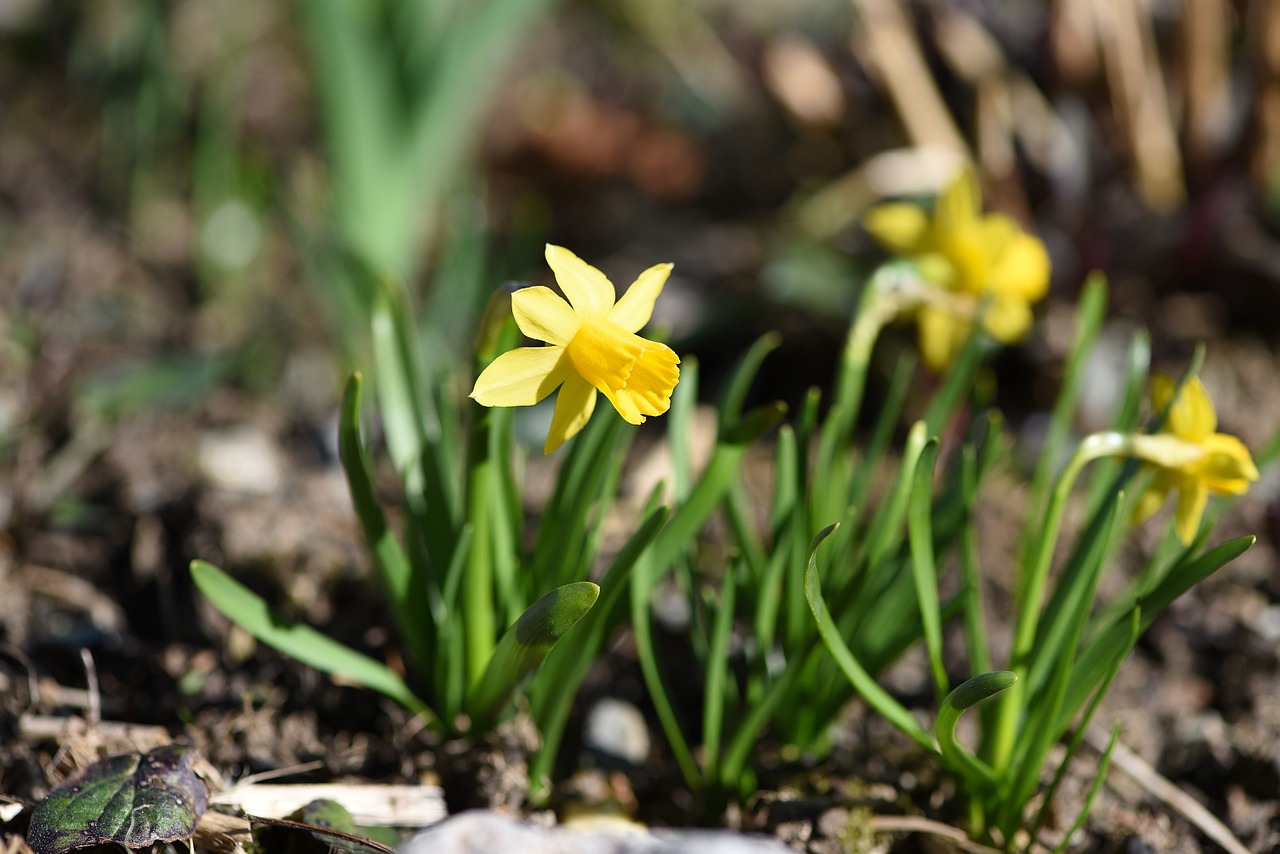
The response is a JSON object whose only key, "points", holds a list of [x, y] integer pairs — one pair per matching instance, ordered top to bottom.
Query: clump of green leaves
{"points": [[1068, 644]]}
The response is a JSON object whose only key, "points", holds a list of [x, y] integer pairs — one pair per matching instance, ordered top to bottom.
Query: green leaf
{"points": [[745, 374], [173, 382], [684, 402], [889, 411], [406, 419], [594, 461], [716, 479], [782, 531], [884, 535], [923, 565], [394, 569], [643, 581], [250, 612], [1116, 640], [525, 645], [717, 668], [554, 686], [963, 697], [878, 698], [1104, 764], [135, 800]]}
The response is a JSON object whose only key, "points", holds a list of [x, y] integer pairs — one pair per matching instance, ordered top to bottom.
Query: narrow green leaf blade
{"points": [[923, 564], [394, 569], [250, 612], [1113, 643], [526, 644], [717, 670], [553, 687], [965, 695], [878, 698]]}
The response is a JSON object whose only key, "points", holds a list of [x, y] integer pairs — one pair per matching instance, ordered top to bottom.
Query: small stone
{"points": [[243, 459], [617, 730], [483, 832]]}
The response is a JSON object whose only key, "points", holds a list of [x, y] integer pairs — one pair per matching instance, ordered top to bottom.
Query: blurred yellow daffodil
{"points": [[968, 253], [592, 346], [1189, 456]]}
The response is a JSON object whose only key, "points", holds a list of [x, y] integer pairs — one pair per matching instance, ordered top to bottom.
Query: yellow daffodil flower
{"points": [[966, 253], [592, 346], [1189, 456]]}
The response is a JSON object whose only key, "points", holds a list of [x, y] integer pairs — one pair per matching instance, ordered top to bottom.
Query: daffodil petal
{"points": [[959, 205], [898, 226], [967, 252], [1020, 269], [588, 290], [635, 307], [543, 315], [1007, 319], [942, 334], [521, 377], [1162, 386], [574, 405], [1192, 416], [1227, 467], [1152, 498], [1192, 498]]}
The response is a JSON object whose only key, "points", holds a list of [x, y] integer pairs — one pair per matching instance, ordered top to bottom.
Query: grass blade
{"points": [[923, 564], [643, 581], [408, 599], [251, 612], [1112, 644], [524, 646], [717, 669], [555, 684], [968, 694], [876, 697]]}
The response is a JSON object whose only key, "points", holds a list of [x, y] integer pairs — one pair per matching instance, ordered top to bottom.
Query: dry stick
{"points": [[1206, 40], [1264, 43], [1075, 45], [893, 50], [975, 56], [1138, 95], [1009, 102], [91, 685], [36, 727], [1161, 788], [369, 804], [920, 824], [326, 831]]}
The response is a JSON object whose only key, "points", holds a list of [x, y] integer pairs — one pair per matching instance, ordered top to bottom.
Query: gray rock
{"points": [[616, 729], [485, 832]]}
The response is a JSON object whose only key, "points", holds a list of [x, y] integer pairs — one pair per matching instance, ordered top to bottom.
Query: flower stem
{"points": [[477, 588], [1031, 594]]}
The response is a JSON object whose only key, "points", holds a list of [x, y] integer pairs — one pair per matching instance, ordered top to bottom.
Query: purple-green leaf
{"points": [[135, 800]]}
